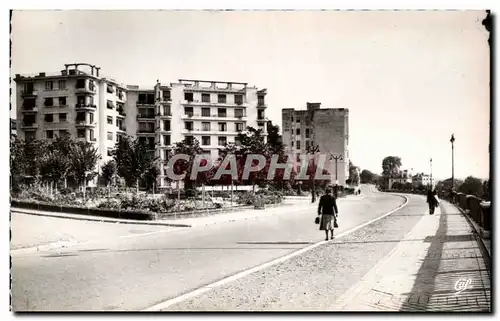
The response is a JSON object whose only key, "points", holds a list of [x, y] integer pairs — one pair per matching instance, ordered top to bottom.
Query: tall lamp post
{"points": [[452, 140], [313, 149], [336, 159], [431, 173]]}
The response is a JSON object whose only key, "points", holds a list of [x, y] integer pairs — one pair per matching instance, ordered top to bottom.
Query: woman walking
{"points": [[432, 201], [328, 210]]}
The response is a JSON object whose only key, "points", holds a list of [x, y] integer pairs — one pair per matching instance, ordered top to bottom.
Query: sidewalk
{"points": [[438, 266]]}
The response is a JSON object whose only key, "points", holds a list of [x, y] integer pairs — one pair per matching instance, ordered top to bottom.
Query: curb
{"points": [[102, 220], [478, 231]]}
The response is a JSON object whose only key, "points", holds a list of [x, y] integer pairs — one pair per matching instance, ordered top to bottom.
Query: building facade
{"points": [[80, 103], [327, 128], [402, 177], [421, 179]]}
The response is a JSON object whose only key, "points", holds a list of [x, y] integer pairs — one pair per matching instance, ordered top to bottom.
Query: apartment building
{"points": [[79, 102], [326, 128], [421, 179]]}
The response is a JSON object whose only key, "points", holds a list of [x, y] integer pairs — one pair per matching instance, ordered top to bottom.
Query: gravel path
{"points": [[314, 280]]}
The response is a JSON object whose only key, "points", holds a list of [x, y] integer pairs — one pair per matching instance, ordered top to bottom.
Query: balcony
{"points": [[85, 90], [26, 94], [145, 103], [213, 104], [261, 105], [85, 106], [29, 110], [121, 113], [167, 115], [142, 117], [84, 123], [28, 126]]}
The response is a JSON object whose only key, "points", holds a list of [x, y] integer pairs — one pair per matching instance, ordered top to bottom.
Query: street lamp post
{"points": [[452, 140], [336, 159], [431, 172]]}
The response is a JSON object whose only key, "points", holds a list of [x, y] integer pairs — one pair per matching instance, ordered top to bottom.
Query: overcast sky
{"points": [[409, 79]]}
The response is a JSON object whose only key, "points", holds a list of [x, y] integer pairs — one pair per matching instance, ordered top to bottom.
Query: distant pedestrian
{"points": [[432, 201], [328, 210]]}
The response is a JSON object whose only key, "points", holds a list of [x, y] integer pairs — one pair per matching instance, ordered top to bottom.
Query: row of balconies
{"points": [[193, 115]]}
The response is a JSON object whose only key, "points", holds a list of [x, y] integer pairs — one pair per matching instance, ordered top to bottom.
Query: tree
{"points": [[274, 139], [133, 159], [83, 160], [391, 165], [183, 167], [108, 171], [354, 176], [367, 177], [408, 186], [472, 186]]}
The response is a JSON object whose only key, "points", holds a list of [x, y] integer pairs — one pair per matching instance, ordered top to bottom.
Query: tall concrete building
{"points": [[79, 102], [327, 128]]}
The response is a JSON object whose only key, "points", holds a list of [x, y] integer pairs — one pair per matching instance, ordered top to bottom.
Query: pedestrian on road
{"points": [[432, 201], [328, 210]]}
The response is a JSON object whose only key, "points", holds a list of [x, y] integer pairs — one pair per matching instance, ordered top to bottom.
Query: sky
{"points": [[409, 78]]}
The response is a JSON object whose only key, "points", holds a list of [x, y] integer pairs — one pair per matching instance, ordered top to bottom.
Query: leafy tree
{"points": [[274, 139], [133, 159], [83, 160], [391, 165], [183, 167], [108, 171], [354, 176], [367, 177], [408, 186], [472, 186]]}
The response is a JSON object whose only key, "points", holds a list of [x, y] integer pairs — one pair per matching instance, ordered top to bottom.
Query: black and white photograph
{"points": [[250, 160]]}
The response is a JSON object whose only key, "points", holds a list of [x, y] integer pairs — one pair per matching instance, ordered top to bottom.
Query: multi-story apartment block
{"points": [[80, 103], [326, 128], [421, 179]]}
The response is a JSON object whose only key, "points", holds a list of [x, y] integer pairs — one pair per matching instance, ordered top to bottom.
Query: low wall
{"points": [[474, 207], [130, 214]]}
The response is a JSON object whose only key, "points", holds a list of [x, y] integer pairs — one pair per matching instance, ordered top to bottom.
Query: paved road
{"points": [[132, 273]]}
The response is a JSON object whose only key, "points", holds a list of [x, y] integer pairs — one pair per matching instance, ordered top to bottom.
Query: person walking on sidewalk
{"points": [[432, 201], [328, 210]]}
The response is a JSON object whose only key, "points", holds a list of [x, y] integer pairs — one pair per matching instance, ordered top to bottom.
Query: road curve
{"points": [[135, 273]]}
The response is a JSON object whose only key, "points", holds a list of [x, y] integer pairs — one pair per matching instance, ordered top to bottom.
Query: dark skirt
{"points": [[326, 223]]}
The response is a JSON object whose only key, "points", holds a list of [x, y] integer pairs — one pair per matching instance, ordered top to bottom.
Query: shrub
{"points": [[190, 192]]}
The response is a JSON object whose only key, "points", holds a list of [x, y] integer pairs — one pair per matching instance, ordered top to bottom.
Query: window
{"points": [[80, 83], [62, 84], [49, 85], [91, 85], [29, 87], [110, 89], [166, 95], [188, 96], [205, 98], [221, 98], [238, 99], [80, 100], [91, 100], [260, 100], [62, 101], [49, 102], [29, 103], [110, 104], [166, 111], [188, 111], [205, 112], [221, 112], [238, 113], [80, 116], [62, 117], [49, 118], [91, 118], [291, 119], [109, 120], [297, 121], [166, 125], [189, 125], [205, 126], [222, 127], [239, 127], [297, 131], [63, 132], [307, 132], [81, 133], [49, 134], [30, 135], [110, 135], [166, 140], [189, 140], [205, 140], [222, 140], [292, 143], [298, 144], [307, 144], [110, 152], [165, 154]]}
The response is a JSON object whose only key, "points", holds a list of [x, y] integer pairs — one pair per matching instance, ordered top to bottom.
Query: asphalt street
{"points": [[134, 273]]}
